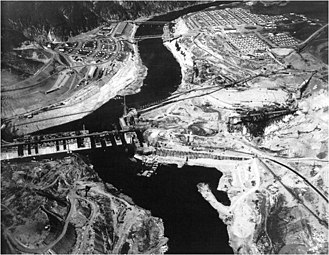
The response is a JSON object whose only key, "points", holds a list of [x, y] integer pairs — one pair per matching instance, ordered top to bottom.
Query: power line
{"points": [[301, 176], [321, 221]]}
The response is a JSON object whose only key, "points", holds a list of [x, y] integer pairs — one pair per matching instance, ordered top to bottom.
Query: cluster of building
{"points": [[230, 18], [256, 19], [106, 30], [241, 30], [282, 39], [247, 43], [91, 45], [99, 49], [97, 58]]}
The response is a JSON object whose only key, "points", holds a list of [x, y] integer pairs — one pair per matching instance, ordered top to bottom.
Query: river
{"points": [[191, 224]]}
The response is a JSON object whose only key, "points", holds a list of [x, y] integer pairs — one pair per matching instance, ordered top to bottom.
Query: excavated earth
{"points": [[62, 206]]}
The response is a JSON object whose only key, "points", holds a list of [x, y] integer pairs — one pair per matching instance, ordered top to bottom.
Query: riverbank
{"points": [[183, 57], [127, 80], [135, 86], [71, 101]]}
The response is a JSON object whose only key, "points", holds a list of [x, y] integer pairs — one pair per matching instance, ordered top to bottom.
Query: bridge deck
{"points": [[152, 22]]}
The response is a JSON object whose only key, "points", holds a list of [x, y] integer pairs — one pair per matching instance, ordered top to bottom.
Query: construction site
{"points": [[252, 104], [259, 116]]}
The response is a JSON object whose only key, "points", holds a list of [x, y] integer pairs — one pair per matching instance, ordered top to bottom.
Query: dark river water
{"points": [[190, 223]]}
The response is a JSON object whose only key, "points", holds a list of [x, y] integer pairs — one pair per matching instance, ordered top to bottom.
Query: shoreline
{"points": [[171, 47], [185, 62], [127, 76], [136, 86]]}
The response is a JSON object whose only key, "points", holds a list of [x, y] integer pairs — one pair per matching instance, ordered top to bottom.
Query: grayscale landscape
{"points": [[182, 127]]}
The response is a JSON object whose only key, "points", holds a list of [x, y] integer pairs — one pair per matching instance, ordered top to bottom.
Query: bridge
{"points": [[151, 22], [144, 37], [165, 38], [305, 43], [32, 146]]}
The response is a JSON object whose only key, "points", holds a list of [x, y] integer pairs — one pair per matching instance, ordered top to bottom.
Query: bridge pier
{"points": [[140, 137], [122, 138], [117, 139], [113, 140], [80, 142], [92, 142], [103, 143], [64, 144], [57, 145], [29, 149], [20, 150]]}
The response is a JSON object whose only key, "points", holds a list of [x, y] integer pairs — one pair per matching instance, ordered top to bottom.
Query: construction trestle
{"points": [[33, 146], [195, 155]]}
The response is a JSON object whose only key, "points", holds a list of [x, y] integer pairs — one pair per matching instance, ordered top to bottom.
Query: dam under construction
{"points": [[225, 140]]}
